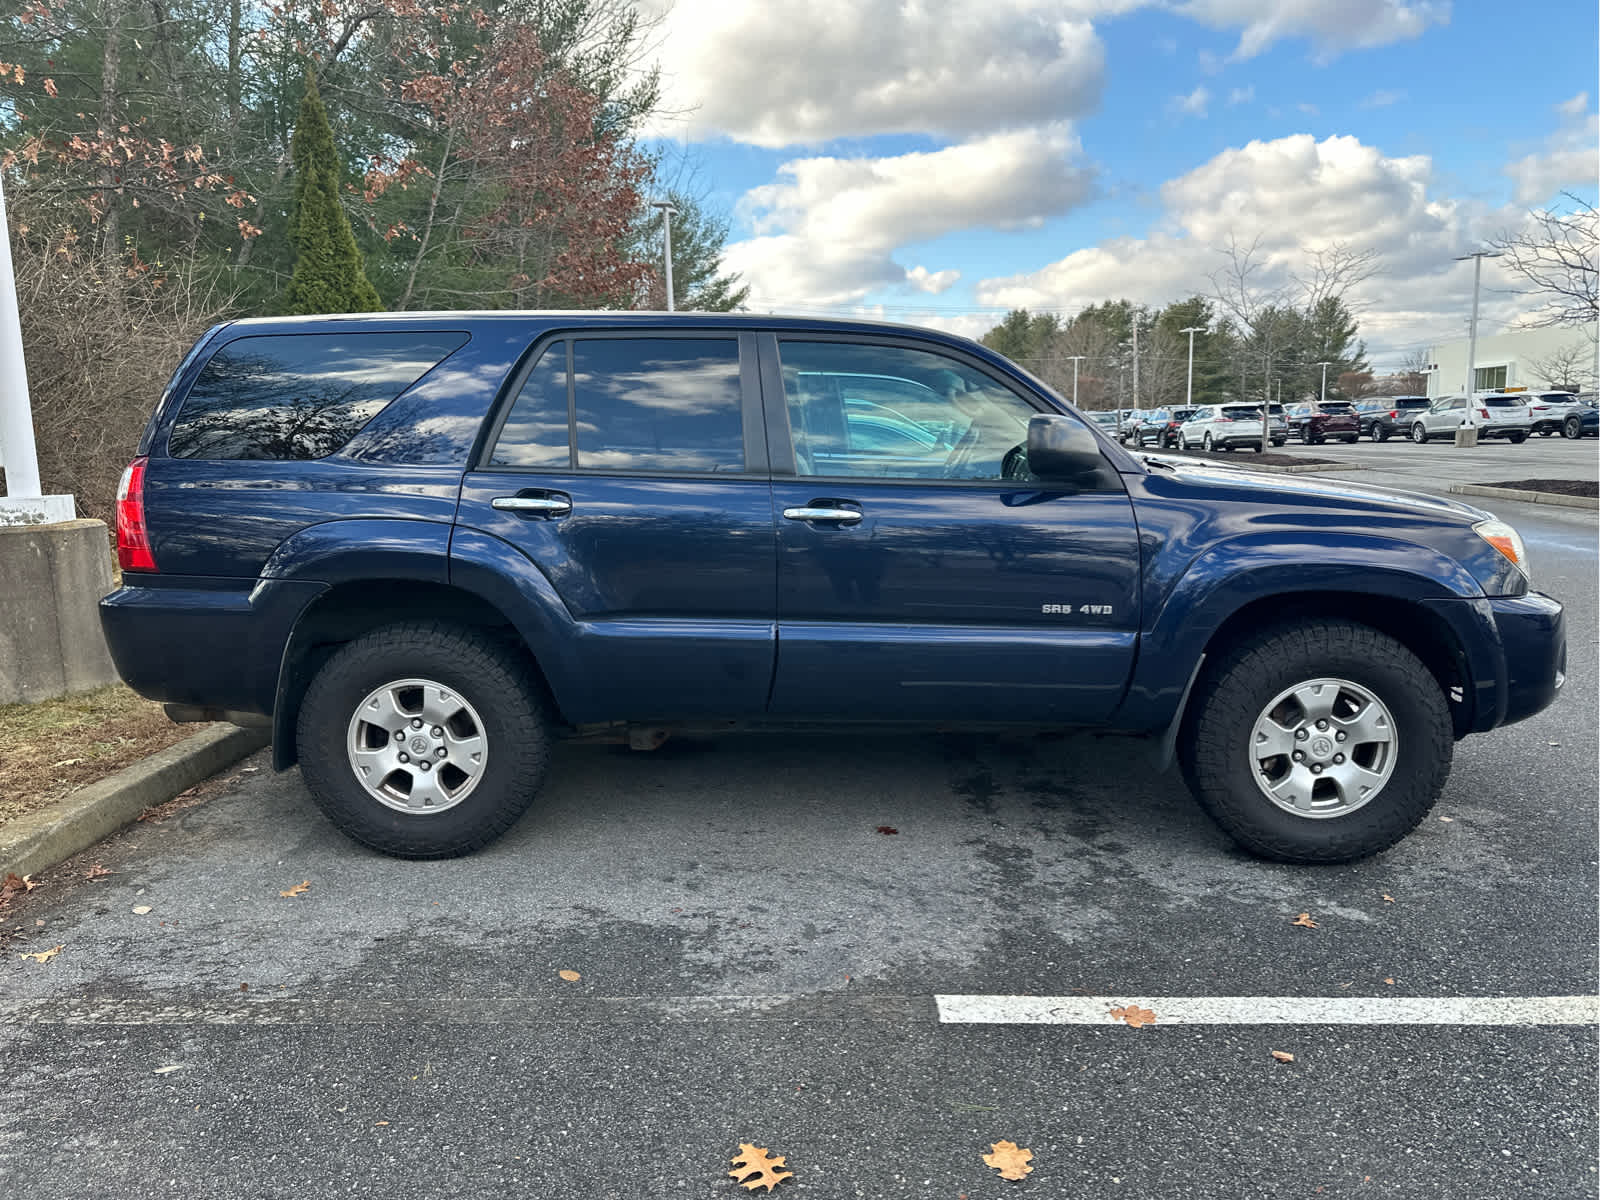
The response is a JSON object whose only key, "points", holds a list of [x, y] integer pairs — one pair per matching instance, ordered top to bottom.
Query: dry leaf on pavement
{"points": [[887, 829], [98, 872], [299, 889], [139, 910], [1304, 921], [46, 955], [570, 976], [1389, 980], [1134, 1015], [1283, 1056], [1010, 1159], [753, 1167]]}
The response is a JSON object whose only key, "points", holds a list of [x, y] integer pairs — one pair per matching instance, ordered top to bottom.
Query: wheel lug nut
{"points": [[416, 722], [1322, 724], [437, 731], [399, 735], [1299, 735], [1340, 736], [440, 751], [1299, 757], [405, 758], [1338, 758], [426, 764], [1316, 768]]}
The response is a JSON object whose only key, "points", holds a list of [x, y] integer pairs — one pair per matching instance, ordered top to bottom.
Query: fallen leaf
{"points": [[68, 762], [1447, 820], [886, 829], [97, 872], [299, 889], [1388, 899], [139, 910], [1304, 921], [46, 955], [570, 976], [1389, 981], [244, 987], [1134, 1015], [1283, 1056], [170, 1069], [380, 1122], [1010, 1159], [753, 1167]]}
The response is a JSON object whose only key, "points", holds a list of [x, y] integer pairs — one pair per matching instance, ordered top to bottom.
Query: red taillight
{"points": [[1484, 413], [1394, 414], [133, 539]]}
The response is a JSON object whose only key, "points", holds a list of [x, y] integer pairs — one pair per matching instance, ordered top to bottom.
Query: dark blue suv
{"points": [[423, 547]]}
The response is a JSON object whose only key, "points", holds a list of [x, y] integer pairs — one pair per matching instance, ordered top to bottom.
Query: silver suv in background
{"points": [[1548, 411], [1497, 415], [1226, 426]]}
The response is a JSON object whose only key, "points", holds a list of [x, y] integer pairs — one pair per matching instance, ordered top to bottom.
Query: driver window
{"points": [[891, 413]]}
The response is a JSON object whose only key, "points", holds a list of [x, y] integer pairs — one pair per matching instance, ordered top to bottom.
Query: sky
{"points": [[941, 161]]}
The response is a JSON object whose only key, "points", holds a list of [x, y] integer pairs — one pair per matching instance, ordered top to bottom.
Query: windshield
{"points": [[1335, 406]]}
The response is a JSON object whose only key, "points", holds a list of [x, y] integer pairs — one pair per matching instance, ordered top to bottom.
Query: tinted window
{"points": [[299, 396], [1503, 401], [658, 404], [1335, 406], [1239, 411], [893, 413], [535, 433]]}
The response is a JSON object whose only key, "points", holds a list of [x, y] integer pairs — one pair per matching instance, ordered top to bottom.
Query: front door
{"points": [[631, 470], [915, 580]]}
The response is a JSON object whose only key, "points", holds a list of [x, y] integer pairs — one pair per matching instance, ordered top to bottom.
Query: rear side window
{"points": [[299, 396], [1503, 401], [630, 404]]}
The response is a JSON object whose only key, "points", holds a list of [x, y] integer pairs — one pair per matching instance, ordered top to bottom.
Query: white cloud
{"points": [[1331, 26], [1211, 64], [838, 68], [1242, 95], [1384, 97], [1192, 105], [1310, 110], [1568, 157], [1297, 194], [827, 232], [932, 282]]}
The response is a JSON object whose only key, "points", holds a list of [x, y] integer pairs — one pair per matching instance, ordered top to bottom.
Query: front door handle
{"points": [[552, 504], [823, 510]]}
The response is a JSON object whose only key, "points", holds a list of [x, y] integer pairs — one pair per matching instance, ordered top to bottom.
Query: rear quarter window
{"points": [[299, 396]]}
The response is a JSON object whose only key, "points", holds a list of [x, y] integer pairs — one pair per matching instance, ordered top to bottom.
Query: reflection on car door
{"points": [[927, 584]]}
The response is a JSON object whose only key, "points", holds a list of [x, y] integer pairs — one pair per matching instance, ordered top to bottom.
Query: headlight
{"points": [[1504, 539]]}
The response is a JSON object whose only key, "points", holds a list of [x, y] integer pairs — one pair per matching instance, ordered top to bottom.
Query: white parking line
{"points": [[1273, 1010]]}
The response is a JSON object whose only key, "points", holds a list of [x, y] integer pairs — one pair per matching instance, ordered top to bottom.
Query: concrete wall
{"points": [[1519, 352], [51, 580]]}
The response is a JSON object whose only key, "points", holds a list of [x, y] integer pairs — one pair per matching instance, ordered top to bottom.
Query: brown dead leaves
{"points": [[98, 872], [299, 889], [1304, 921], [44, 956], [570, 976], [1134, 1015], [1283, 1056], [1010, 1159], [753, 1167]]}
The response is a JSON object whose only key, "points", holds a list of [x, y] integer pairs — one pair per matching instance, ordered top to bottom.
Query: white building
{"points": [[1523, 358]]}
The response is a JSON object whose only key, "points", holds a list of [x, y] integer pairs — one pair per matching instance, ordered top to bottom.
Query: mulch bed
{"points": [[1246, 458], [1561, 487]]}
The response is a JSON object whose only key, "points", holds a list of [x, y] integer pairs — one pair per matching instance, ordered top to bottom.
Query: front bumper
{"points": [[1533, 638]]}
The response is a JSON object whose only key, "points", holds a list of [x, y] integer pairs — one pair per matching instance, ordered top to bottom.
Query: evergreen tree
{"points": [[328, 273], [699, 283], [1022, 337]]}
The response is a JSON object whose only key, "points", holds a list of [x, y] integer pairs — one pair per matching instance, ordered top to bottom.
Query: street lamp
{"points": [[667, 210], [1477, 257], [1324, 366], [1188, 396]]}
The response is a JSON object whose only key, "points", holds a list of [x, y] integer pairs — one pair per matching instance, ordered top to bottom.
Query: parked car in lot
{"points": [[1548, 411], [1495, 415], [1387, 416], [1131, 420], [1325, 420], [1107, 421], [1583, 421], [1160, 427], [1224, 427], [423, 547]]}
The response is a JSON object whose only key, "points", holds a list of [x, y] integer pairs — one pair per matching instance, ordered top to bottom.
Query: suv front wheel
{"points": [[423, 740], [1322, 742]]}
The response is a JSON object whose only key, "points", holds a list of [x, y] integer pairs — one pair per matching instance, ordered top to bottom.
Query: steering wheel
{"points": [[1015, 463]]}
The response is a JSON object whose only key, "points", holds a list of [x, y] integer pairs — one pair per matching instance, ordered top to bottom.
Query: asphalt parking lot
{"points": [[760, 963]]}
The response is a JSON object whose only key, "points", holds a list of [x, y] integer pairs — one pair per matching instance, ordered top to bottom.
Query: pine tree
{"points": [[328, 273]]}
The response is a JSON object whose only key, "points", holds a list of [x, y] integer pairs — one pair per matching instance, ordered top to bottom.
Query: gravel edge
{"points": [[39, 840]]}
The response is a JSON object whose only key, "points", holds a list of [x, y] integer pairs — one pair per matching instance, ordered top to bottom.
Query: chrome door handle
{"points": [[543, 506], [843, 516]]}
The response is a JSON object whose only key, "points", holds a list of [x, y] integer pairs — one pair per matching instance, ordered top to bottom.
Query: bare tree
{"points": [[1554, 256], [1334, 272], [1570, 367]]}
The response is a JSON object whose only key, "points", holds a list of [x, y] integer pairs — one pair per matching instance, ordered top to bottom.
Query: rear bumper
{"points": [[209, 643]]}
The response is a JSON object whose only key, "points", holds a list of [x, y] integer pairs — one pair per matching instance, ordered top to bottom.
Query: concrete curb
{"points": [[1500, 493], [39, 840]]}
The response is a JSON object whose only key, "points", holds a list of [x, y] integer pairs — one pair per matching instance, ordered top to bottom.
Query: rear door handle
{"points": [[551, 504], [824, 510]]}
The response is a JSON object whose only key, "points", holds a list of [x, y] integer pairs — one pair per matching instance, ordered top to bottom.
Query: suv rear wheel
{"points": [[1419, 434], [423, 740], [1323, 742]]}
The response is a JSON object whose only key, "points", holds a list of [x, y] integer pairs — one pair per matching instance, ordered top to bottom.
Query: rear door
{"points": [[1446, 415], [631, 470], [917, 581]]}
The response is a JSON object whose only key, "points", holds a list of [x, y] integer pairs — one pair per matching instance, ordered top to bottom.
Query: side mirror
{"points": [[1059, 448]]}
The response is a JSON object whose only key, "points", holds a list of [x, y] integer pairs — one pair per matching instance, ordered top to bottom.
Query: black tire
{"points": [[1572, 428], [1381, 434], [1419, 435], [1516, 439], [1280, 441], [1317, 441], [1351, 441], [1205, 443], [488, 675], [1231, 695]]}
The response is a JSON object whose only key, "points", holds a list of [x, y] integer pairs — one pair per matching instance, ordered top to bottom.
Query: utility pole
{"points": [[667, 210], [1477, 257], [1136, 359], [1188, 393]]}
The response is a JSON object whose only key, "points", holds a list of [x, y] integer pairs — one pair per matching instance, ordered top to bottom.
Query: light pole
{"points": [[667, 210], [1477, 257], [1076, 359], [1324, 366], [1188, 395]]}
